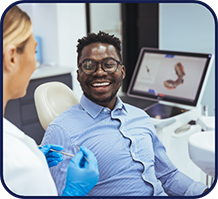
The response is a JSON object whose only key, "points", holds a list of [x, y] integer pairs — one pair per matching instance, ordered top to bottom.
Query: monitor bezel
{"points": [[143, 95]]}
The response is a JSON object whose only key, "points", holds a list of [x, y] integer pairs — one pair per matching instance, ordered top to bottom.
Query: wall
{"points": [[100, 12], [44, 17], [71, 21], [59, 25], [190, 27]]}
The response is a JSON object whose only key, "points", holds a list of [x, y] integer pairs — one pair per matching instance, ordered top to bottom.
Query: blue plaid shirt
{"points": [[132, 161]]}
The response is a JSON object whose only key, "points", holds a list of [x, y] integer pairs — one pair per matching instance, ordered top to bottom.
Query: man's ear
{"points": [[10, 58], [123, 69], [78, 75]]}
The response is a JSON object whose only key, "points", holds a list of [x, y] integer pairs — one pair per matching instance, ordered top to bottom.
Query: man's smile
{"points": [[97, 84], [101, 86]]}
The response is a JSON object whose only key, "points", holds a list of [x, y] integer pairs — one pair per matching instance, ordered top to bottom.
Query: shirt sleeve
{"points": [[57, 135], [173, 181]]}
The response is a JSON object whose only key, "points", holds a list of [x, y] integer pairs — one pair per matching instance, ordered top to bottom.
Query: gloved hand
{"points": [[52, 157], [82, 176]]}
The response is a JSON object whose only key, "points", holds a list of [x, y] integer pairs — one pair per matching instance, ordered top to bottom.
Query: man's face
{"points": [[101, 87]]}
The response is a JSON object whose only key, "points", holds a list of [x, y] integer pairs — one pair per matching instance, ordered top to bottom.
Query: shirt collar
{"points": [[94, 109]]}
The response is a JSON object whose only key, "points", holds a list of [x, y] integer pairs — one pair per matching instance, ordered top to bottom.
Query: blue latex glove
{"points": [[52, 157], [82, 176]]}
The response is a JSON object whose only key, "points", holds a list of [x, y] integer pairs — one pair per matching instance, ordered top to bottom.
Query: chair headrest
{"points": [[51, 99]]}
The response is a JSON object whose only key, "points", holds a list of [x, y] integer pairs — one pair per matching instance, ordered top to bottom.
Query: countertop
{"points": [[48, 71]]}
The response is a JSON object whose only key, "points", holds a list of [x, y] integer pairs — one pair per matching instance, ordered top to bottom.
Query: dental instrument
{"points": [[205, 110], [185, 127], [64, 153], [68, 154]]}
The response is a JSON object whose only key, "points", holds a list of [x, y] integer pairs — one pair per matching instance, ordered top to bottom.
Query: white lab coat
{"points": [[25, 170]]}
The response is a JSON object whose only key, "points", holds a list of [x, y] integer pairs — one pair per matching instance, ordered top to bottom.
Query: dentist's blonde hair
{"points": [[17, 28]]}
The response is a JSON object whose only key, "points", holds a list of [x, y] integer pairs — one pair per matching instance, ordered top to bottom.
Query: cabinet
{"points": [[22, 111]]}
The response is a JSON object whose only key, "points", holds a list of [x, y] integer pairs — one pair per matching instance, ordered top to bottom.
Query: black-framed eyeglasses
{"points": [[90, 66]]}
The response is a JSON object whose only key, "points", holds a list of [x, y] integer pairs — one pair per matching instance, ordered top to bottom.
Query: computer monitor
{"points": [[171, 76]]}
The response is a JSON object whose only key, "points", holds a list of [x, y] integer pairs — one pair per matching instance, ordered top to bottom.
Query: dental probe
{"points": [[64, 153], [68, 154], [84, 156]]}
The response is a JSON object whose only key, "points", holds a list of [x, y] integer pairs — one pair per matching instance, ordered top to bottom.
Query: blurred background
{"points": [[170, 26]]}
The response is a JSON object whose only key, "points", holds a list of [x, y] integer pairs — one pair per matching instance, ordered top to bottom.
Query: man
{"points": [[132, 161]]}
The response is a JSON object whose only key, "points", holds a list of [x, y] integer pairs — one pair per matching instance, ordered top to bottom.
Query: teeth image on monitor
{"points": [[170, 84]]}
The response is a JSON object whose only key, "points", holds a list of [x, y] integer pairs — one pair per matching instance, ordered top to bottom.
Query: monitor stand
{"points": [[164, 111], [174, 118]]}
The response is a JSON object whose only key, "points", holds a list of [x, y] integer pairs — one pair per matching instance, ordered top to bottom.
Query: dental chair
{"points": [[51, 99]]}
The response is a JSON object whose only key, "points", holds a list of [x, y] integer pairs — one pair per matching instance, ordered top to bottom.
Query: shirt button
{"points": [[105, 110], [133, 154]]}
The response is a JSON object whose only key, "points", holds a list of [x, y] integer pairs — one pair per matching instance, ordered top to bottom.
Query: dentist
{"points": [[25, 167]]}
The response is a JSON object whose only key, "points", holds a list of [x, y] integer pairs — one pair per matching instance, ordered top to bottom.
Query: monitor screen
{"points": [[171, 76]]}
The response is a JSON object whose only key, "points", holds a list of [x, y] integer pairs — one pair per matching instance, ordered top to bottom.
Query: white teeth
{"points": [[101, 84]]}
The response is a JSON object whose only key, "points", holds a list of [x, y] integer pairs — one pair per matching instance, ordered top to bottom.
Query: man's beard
{"points": [[107, 100], [103, 101]]}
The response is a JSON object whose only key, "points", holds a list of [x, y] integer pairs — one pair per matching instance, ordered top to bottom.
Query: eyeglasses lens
{"points": [[108, 65], [89, 66]]}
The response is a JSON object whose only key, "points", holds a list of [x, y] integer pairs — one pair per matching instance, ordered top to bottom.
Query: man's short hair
{"points": [[101, 37]]}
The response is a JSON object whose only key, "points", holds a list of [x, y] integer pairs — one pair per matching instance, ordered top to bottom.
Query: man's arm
{"points": [[56, 135], [173, 181]]}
